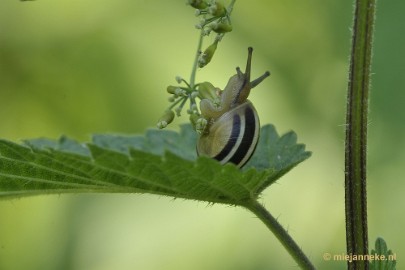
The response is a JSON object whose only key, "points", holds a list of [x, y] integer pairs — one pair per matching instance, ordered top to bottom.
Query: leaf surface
{"points": [[159, 162], [384, 259]]}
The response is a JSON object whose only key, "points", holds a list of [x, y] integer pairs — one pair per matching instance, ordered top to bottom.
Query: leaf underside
{"points": [[159, 162], [384, 258]]}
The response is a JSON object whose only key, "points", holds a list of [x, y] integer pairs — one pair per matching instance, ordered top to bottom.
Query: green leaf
{"points": [[160, 162], [384, 258]]}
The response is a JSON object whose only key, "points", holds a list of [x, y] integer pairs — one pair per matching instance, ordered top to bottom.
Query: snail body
{"points": [[233, 127]]}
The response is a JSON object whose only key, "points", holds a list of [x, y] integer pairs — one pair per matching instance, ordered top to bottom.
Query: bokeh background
{"points": [[82, 67]]}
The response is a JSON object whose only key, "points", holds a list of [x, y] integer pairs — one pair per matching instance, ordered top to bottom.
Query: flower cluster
{"points": [[215, 17], [179, 97]]}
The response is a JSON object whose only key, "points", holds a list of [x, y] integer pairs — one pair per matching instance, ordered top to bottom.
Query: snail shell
{"points": [[233, 127], [233, 137]]}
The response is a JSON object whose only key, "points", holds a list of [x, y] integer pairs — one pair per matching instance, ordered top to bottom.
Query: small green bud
{"points": [[198, 4], [216, 9], [221, 27], [207, 55], [179, 79], [171, 89], [207, 91], [178, 92], [183, 93], [194, 108], [178, 111], [166, 119], [193, 119], [200, 125]]}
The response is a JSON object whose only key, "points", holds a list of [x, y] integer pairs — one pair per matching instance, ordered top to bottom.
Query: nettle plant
{"points": [[223, 156]]}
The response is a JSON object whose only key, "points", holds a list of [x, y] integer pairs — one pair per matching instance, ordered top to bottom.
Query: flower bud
{"points": [[198, 4], [217, 9], [221, 28], [207, 55], [179, 79], [171, 89], [207, 91], [194, 108], [178, 111], [166, 119], [193, 119], [200, 125]]}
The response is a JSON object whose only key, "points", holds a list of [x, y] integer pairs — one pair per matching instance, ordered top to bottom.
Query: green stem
{"points": [[230, 8], [195, 64], [175, 103], [356, 132], [281, 234]]}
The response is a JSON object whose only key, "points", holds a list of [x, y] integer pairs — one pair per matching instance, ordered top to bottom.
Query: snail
{"points": [[233, 127]]}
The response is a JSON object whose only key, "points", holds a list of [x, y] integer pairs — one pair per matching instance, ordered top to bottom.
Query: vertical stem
{"points": [[230, 7], [195, 64], [356, 132], [281, 234]]}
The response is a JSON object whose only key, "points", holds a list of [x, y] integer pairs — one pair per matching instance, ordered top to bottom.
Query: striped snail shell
{"points": [[233, 127]]}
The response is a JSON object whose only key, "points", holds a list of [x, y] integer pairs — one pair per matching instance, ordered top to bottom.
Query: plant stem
{"points": [[230, 7], [195, 64], [356, 132], [281, 234]]}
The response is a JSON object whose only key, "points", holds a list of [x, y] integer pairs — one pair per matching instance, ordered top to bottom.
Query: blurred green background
{"points": [[82, 67]]}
